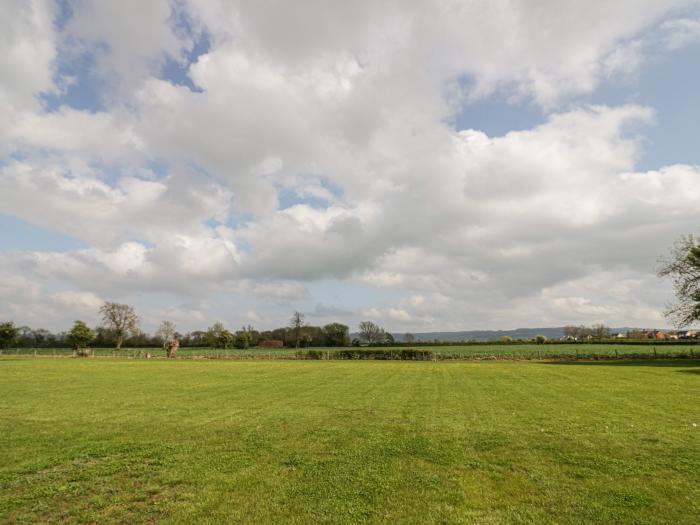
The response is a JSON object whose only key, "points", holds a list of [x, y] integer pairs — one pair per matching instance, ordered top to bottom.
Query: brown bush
{"points": [[171, 347]]}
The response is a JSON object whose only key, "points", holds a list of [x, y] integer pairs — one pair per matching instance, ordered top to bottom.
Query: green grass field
{"points": [[184, 441]]}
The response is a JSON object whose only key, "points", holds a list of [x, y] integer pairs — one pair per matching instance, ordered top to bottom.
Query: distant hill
{"points": [[493, 335]]}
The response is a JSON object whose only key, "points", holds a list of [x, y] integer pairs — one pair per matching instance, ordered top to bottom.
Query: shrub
{"points": [[8, 334], [79, 337], [220, 337], [242, 339], [171, 347], [404, 354]]}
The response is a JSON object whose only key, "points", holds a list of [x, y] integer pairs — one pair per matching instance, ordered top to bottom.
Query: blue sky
{"points": [[209, 163]]}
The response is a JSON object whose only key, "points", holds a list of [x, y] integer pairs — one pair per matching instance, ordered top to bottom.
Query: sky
{"points": [[427, 165]]}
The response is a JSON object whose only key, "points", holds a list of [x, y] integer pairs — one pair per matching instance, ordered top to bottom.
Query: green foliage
{"points": [[683, 266], [8, 334], [336, 334], [80, 335], [220, 337], [242, 339], [505, 339], [540, 339], [400, 354]]}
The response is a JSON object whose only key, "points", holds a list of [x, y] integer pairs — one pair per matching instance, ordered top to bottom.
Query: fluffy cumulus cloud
{"points": [[238, 160]]}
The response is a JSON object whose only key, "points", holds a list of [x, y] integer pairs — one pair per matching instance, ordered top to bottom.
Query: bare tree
{"points": [[683, 266], [121, 318], [297, 325], [166, 332], [600, 332], [371, 333], [579, 333], [409, 338]]}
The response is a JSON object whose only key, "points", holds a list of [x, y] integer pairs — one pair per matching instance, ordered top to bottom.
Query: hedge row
{"points": [[405, 354]]}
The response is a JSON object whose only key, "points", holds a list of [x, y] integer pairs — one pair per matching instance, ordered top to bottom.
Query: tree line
{"points": [[121, 327]]}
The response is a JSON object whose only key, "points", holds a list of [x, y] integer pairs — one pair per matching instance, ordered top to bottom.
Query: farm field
{"points": [[509, 351], [186, 441]]}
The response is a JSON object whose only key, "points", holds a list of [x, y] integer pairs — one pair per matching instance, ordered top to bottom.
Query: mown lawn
{"points": [[145, 441]]}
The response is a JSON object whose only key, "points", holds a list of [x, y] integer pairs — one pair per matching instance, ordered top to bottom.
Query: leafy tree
{"points": [[683, 266], [121, 319], [296, 324], [213, 333], [371, 333], [8, 334], [336, 334], [80, 335], [253, 335], [41, 336], [220, 337], [140, 338], [196, 338], [388, 338], [243, 339], [505, 339], [540, 339]]}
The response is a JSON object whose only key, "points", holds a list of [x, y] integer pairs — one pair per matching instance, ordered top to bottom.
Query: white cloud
{"points": [[681, 32], [130, 39], [27, 50], [345, 107], [78, 301]]}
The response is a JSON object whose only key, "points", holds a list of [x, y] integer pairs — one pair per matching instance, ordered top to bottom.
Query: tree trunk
{"points": [[120, 339]]}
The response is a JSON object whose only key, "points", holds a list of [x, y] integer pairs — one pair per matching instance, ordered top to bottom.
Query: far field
{"points": [[506, 351], [187, 441]]}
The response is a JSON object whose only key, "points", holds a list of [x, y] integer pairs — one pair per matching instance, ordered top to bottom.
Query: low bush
{"points": [[403, 354]]}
